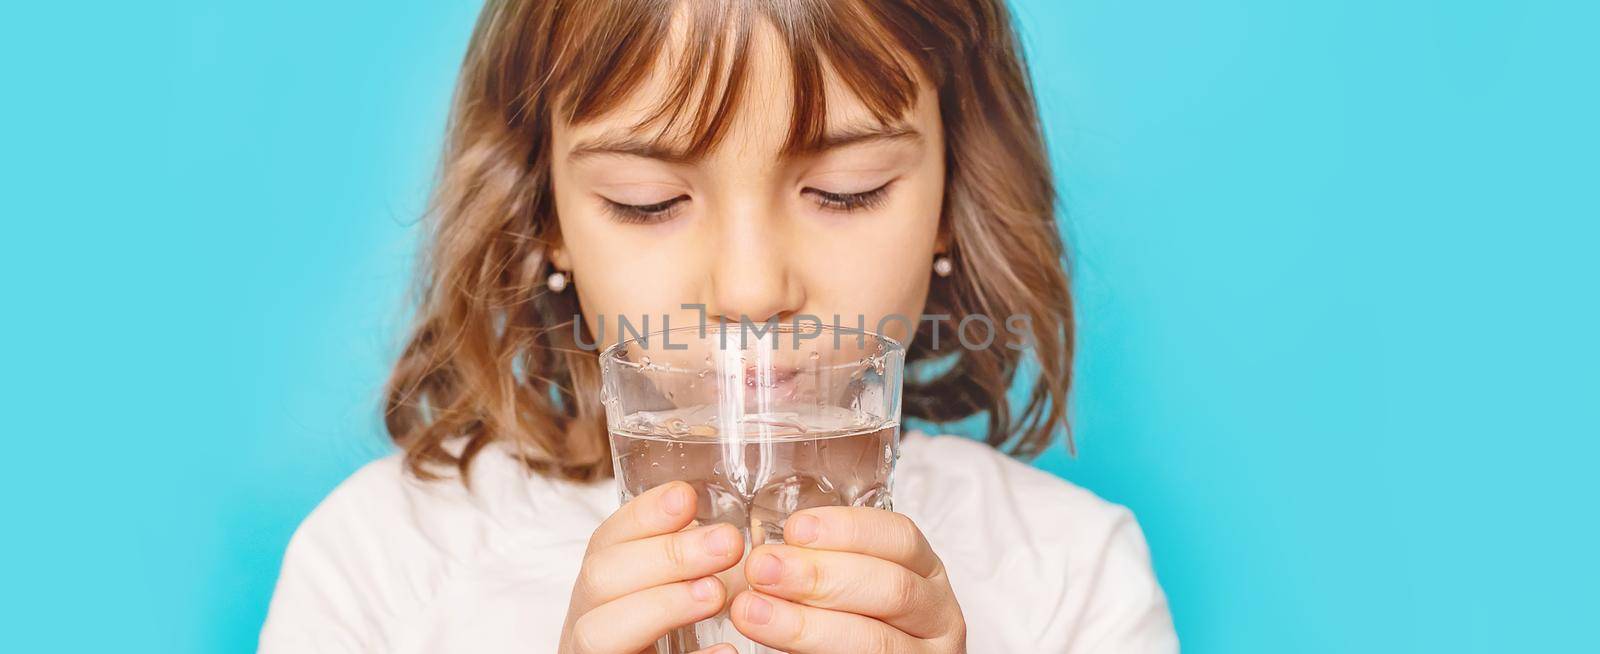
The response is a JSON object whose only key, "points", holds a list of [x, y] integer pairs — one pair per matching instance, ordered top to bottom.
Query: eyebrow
{"points": [[631, 145]]}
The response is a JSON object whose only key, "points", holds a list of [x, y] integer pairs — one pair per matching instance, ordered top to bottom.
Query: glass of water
{"points": [[763, 420]]}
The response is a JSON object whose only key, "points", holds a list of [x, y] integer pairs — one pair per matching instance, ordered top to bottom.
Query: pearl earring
{"points": [[942, 266], [557, 281]]}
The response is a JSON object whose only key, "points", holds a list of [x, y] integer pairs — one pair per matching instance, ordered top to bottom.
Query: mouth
{"points": [[775, 378]]}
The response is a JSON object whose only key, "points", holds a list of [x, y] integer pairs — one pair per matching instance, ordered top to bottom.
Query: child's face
{"points": [[745, 231]]}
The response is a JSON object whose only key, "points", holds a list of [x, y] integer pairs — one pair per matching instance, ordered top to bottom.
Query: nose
{"points": [[751, 273]]}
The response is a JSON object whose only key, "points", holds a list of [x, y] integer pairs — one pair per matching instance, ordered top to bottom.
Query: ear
{"points": [[547, 232], [555, 249], [559, 258]]}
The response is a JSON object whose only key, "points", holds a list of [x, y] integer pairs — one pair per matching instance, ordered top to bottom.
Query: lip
{"points": [[610, 355], [776, 378]]}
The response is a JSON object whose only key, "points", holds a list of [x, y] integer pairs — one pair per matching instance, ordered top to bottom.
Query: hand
{"points": [[644, 575], [849, 580]]}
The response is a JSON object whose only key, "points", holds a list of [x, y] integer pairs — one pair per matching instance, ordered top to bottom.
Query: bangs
{"points": [[613, 47]]}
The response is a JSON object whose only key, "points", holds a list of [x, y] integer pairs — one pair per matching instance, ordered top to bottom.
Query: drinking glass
{"points": [[762, 420]]}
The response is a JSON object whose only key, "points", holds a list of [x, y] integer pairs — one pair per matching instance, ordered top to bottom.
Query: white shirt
{"points": [[388, 563]]}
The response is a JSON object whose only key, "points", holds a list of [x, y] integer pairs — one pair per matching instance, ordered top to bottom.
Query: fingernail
{"points": [[676, 501], [802, 529], [721, 541], [766, 570], [703, 590], [757, 610]]}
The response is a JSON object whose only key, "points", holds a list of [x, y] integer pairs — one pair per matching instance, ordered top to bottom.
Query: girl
{"points": [[723, 160]]}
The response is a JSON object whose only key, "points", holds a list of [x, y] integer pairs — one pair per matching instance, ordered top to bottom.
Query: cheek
{"points": [[875, 265], [621, 270], [640, 288], [891, 309]]}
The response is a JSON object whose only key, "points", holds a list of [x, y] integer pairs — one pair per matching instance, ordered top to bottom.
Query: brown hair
{"points": [[492, 355]]}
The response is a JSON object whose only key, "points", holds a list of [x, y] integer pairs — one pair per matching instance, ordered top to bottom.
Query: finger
{"points": [[660, 510], [864, 530], [630, 566], [853, 583], [637, 620], [800, 629], [719, 648]]}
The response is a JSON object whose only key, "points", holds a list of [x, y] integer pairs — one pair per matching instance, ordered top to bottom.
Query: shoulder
{"points": [[955, 472], [384, 501], [385, 508], [384, 544], [359, 559], [1072, 570]]}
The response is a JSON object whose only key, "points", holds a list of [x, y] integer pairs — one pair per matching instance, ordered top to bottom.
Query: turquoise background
{"points": [[1335, 261]]}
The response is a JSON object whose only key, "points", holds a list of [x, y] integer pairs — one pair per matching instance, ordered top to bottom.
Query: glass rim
{"points": [[608, 355]]}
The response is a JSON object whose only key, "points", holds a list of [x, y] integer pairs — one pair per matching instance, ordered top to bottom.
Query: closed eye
{"points": [[850, 202], [645, 213]]}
